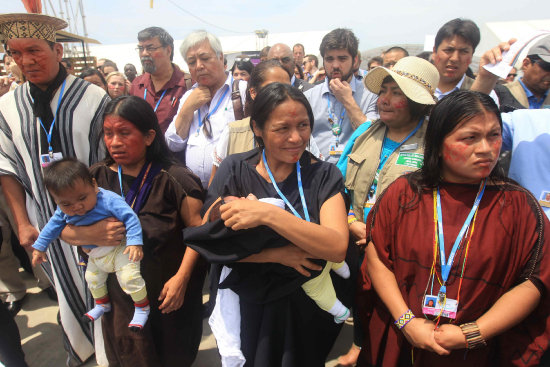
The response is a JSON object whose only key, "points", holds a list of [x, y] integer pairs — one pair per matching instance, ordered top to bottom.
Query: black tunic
{"points": [[287, 329], [168, 339]]}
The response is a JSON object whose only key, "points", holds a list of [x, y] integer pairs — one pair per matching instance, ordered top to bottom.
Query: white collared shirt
{"points": [[198, 148]]}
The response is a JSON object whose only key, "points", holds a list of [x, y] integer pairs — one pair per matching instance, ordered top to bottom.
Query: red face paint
{"points": [[401, 104], [393, 106], [286, 132], [126, 144], [470, 152]]}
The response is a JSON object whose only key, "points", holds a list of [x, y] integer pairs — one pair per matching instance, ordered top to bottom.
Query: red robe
{"points": [[508, 246]]}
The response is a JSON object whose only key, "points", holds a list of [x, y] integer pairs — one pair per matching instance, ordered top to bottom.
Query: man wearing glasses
{"points": [[283, 53], [163, 83], [531, 90], [205, 109]]}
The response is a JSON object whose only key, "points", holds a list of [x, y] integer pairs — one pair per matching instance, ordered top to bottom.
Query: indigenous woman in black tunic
{"points": [[167, 198], [279, 324]]}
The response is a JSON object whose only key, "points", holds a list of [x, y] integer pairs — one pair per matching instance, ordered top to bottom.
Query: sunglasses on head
{"points": [[245, 59]]}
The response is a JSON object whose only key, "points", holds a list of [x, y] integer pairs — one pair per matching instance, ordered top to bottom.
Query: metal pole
{"points": [[81, 5]]}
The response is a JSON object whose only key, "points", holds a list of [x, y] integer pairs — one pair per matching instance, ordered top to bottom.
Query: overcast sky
{"points": [[375, 23]]}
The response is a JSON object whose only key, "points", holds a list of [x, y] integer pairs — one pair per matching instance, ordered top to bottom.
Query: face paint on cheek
{"points": [[401, 104], [454, 152]]}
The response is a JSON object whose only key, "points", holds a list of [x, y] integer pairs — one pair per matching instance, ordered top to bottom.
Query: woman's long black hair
{"points": [[141, 114]]}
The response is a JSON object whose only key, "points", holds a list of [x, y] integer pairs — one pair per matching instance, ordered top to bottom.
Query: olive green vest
{"points": [[241, 137], [365, 157]]}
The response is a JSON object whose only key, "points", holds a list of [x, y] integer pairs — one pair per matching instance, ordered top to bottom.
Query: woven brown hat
{"points": [[29, 25], [416, 77]]}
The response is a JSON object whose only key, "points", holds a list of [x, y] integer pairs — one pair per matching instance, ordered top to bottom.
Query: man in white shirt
{"points": [[206, 108]]}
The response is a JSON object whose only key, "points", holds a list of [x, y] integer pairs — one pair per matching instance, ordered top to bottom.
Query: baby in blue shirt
{"points": [[81, 202]]}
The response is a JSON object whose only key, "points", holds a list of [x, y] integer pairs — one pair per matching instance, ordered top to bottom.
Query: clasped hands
{"points": [[423, 334]]}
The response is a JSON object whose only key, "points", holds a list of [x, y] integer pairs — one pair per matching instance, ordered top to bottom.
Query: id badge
{"points": [[336, 149], [46, 159], [545, 199], [368, 206], [432, 306]]}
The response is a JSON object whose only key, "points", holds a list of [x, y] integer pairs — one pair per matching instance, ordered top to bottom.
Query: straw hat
{"points": [[29, 25], [416, 77]]}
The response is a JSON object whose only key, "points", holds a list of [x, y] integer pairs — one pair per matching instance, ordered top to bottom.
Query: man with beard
{"points": [[283, 54], [162, 84], [341, 103], [207, 107], [52, 115]]}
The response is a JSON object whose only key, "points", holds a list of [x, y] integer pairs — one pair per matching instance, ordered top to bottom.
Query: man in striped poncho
{"points": [[53, 114]]}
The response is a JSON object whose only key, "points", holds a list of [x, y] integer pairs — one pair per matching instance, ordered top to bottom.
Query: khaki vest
{"points": [[467, 83], [519, 93], [241, 137], [365, 157]]}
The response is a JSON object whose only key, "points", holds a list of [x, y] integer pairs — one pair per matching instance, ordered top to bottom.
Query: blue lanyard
{"points": [[160, 99], [214, 111], [331, 117], [49, 134], [402, 141], [120, 180], [373, 186], [282, 196], [446, 265]]}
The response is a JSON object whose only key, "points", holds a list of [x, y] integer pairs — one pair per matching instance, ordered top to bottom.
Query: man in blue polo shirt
{"points": [[531, 90], [341, 103], [525, 133]]}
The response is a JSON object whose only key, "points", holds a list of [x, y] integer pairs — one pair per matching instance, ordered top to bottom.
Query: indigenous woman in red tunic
{"points": [[456, 268]]}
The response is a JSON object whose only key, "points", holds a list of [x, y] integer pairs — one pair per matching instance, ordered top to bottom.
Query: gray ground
{"points": [[42, 344]]}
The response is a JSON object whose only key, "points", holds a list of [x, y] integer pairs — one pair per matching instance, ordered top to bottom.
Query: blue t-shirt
{"points": [[108, 205]]}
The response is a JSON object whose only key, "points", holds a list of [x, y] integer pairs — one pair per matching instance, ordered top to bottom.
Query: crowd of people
{"points": [[303, 189]]}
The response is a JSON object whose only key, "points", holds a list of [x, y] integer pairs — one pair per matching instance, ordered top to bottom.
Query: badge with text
{"points": [[336, 149], [46, 159], [410, 159], [433, 305]]}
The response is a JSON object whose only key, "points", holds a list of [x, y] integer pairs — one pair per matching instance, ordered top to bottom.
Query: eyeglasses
{"points": [[149, 49], [245, 59], [543, 64], [512, 75]]}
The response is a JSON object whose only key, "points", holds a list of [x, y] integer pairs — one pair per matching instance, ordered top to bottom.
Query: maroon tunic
{"points": [[168, 107], [507, 247]]}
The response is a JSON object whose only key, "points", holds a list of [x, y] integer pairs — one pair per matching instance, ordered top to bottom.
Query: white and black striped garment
{"points": [[78, 124]]}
